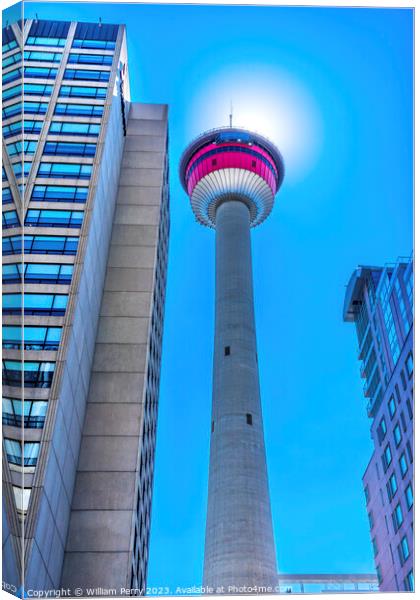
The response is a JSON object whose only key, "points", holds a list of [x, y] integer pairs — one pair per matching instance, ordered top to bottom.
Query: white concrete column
{"points": [[239, 536]]}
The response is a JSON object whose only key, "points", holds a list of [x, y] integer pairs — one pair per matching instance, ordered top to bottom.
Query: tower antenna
{"points": [[231, 114]]}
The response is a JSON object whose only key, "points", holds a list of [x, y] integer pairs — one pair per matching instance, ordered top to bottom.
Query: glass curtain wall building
{"points": [[85, 241], [380, 303]]}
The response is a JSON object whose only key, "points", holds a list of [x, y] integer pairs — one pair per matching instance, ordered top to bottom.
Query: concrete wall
{"points": [[104, 525]]}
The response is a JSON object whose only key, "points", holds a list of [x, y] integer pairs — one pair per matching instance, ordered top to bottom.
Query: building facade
{"points": [[231, 176], [85, 242], [380, 303], [327, 583]]}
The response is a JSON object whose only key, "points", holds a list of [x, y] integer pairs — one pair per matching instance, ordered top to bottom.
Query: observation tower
{"points": [[231, 176]]}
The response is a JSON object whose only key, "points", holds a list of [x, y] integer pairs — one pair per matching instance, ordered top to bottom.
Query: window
{"points": [[45, 41], [99, 44], [9, 46], [41, 56], [12, 59], [90, 59], [40, 73], [86, 75], [12, 76], [37, 89], [73, 91], [12, 92], [35, 108], [12, 110], [86, 110], [16, 128], [74, 128], [12, 129], [27, 147], [69, 149], [17, 169], [63, 170], [3, 174], [59, 193], [7, 197], [54, 218], [10, 219], [40, 244], [37, 273], [35, 304], [34, 338], [409, 365], [37, 374], [403, 380], [397, 392], [391, 407], [409, 409], [31, 412], [249, 419], [403, 422], [212, 426], [397, 435], [14, 452], [409, 452], [386, 458], [403, 464], [392, 486], [367, 494], [22, 496], [409, 496], [397, 517], [371, 521], [375, 547], [403, 550], [379, 573], [409, 582]]}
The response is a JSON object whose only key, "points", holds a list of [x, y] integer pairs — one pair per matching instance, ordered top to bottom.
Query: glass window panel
{"points": [[45, 41], [42, 56], [12, 75], [37, 89], [11, 92], [82, 92]]}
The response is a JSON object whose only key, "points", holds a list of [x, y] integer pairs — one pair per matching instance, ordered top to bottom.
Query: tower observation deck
{"points": [[231, 176]]}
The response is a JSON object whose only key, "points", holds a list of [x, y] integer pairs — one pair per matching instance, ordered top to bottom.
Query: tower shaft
{"points": [[239, 536]]}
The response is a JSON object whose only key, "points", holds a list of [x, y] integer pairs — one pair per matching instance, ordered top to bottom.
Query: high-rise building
{"points": [[231, 176], [85, 237], [380, 303]]}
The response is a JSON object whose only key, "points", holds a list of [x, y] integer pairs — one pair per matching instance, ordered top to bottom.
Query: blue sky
{"points": [[346, 75]]}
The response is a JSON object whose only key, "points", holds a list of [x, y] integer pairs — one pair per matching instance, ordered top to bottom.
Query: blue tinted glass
{"points": [[45, 41], [99, 44], [42, 56], [12, 59], [90, 59], [40, 72], [12, 76], [38, 89], [12, 92], [82, 92], [78, 109], [12, 110], [69, 149], [56, 193], [6, 196], [10, 219]]}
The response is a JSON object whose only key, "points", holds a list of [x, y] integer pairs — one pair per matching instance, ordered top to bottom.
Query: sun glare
{"points": [[269, 102]]}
